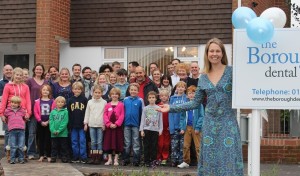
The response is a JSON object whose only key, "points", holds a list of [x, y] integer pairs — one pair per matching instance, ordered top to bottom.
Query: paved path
{"points": [[35, 168]]}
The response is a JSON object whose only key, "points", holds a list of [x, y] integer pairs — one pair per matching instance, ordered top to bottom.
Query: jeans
{"points": [[31, 127], [96, 134], [131, 137], [78, 143], [17, 144], [150, 145]]}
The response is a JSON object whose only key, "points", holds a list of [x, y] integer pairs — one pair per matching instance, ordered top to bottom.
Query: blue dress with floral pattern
{"points": [[221, 149]]}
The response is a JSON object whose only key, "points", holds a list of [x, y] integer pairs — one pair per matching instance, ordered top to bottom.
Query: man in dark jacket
{"points": [[7, 75], [146, 85]]}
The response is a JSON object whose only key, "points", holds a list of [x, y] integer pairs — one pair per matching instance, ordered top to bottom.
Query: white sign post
{"points": [[265, 76]]}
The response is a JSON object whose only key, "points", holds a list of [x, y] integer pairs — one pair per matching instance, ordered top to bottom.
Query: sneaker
{"points": [[31, 157], [53, 160], [64, 160], [75, 160], [83, 161], [12, 162], [21, 162], [163, 162], [125, 163], [136, 164], [183, 165]]}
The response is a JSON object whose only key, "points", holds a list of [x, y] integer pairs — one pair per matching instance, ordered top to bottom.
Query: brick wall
{"points": [[265, 4], [52, 25], [277, 151]]}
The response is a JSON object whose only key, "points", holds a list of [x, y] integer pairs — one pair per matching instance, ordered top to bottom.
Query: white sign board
{"points": [[267, 76]]}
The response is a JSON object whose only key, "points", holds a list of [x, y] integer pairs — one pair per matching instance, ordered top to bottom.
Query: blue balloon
{"points": [[242, 16], [260, 30]]}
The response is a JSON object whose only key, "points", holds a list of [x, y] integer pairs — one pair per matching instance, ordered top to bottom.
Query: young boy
{"points": [[122, 84], [76, 108], [133, 110], [58, 122], [174, 125], [191, 125], [16, 127], [151, 127], [164, 139]]}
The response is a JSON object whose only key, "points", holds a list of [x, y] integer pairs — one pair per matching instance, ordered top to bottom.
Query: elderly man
{"points": [[146, 85]]}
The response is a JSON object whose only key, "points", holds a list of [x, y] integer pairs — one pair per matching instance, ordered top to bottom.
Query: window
{"points": [[189, 51], [146, 55], [21, 61]]}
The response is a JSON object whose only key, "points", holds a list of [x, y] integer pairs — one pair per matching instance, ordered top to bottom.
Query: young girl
{"points": [[112, 78], [166, 84], [42, 108], [113, 119], [94, 120], [16, 127]]}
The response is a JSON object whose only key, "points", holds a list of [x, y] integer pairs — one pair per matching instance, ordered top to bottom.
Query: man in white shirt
{"points": [[175, 78]]}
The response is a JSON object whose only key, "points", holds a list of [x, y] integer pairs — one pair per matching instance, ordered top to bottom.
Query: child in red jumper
{"points": [[164, 139]]}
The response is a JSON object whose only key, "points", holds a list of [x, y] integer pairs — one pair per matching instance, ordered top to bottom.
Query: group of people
{"points": [[158, 117]]}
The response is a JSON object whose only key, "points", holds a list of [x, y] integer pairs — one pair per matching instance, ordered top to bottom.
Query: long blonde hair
{"points": [[207, 64]]}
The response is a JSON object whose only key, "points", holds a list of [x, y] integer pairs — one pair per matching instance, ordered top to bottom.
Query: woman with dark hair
{"points": [[105, 68], [35, 83], [166, 84]]}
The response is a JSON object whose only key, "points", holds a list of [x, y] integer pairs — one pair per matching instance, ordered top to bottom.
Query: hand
{"points": [[164, 108], [3, 118], [44, 124], [113, 126], [85, 127], [182, 132], [197, 132], [55, 133], [142, 133], [159, 133]]}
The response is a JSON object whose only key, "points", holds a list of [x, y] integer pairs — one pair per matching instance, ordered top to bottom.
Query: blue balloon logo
{"points": [[242, 16], [260, 30]]}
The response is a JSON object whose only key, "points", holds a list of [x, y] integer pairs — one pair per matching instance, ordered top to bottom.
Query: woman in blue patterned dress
{"points": [[221, 149]]}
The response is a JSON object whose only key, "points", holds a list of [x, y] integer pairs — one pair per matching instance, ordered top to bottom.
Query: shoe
{"points": [[31, 157], [105, 157], [53, 160], [64, 160], [75, 160], [83, 161], [12, 162], [21, 162], [109, 162], [163, 162], [125, 163], [136, 164], [173, 164], [183, 165]]}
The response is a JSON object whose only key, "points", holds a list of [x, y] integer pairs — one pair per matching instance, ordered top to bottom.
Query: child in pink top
{"points": [[42, 109], [113, 119], [16, 127]]}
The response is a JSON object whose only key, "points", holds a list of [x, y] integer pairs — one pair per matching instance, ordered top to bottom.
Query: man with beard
{"points": [[87, 81]]}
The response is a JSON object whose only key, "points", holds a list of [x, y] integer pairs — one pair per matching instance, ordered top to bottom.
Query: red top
{"points": [[141, 90]]}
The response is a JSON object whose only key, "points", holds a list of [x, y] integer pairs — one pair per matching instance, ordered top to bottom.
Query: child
{"points": [[122, 84], [76, 108], [42, 109], [133, 111], [113, 119], [94, 120], [58, 122], [191, 124], [174, 125], [16, 127], [151, 127], [164, 139]]}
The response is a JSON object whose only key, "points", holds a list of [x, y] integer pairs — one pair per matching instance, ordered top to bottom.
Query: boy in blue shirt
{"points": [[133, 111]]}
